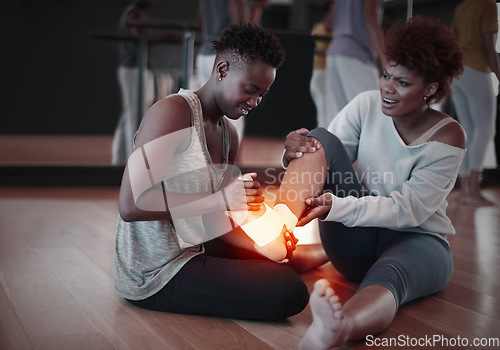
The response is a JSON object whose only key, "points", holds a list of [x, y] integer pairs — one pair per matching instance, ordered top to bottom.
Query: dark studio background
{"points": [[58, 79]]}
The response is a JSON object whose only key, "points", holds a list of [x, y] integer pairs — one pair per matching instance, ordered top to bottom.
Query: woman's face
{"points": [[244, 87], [402, 91]]}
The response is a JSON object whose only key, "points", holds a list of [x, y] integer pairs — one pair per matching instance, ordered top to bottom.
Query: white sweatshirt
{"points": [[408, 184]]}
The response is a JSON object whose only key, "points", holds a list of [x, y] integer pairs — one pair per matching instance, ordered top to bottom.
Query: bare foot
{"points": [[276, 249], [325, 331]]}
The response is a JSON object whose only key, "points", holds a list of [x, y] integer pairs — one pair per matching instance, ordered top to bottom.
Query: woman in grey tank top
{"points": [[176, 189]]}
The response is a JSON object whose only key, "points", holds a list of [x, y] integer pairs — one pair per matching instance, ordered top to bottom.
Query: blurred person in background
{"points": [[215, 17], [475, 24], [353, 54], [154, 85]]}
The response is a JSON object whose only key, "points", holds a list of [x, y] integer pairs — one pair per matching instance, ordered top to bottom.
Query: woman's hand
{"points": [[297, 143], [253, 192], [243, 193], [316, 208], [291, 245], [281, 248]]}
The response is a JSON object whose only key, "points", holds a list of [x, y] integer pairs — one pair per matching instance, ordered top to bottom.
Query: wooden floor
{"points": [[56, 291]]}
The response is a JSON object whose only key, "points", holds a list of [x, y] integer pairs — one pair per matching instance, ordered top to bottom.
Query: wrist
{"points": [[328, 215]]}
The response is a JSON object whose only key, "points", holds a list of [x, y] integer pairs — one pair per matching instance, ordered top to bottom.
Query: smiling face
{"points": [[243, 87], [403, 91]]}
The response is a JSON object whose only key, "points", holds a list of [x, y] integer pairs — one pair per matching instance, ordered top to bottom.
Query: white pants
{"points": [[204, 66], [128, 78], [346, 78], [318, 93], [475, 105]]}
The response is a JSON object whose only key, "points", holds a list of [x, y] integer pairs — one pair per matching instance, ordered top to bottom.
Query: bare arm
{"points": [[256, 10], [237, 11], [328, 18], [374, 30], [489, 41], [164, 118], [144, 195]]}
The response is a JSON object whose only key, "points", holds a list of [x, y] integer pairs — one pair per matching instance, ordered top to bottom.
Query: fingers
{"points": [[302, 131], [297, 143], [303, 144], [293, 155], [248, 176], [251, 184], [252, 187], [253, 191], [254, 197], [323, 200], [313, 202], [254, 206], [317, 208], [309, 216], [289, 236], [291, 243]]}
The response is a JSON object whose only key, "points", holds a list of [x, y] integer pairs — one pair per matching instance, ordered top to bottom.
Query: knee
{"points": [[332, 146], [390, 275], [407, 283], [296, 292], [292, 294]]}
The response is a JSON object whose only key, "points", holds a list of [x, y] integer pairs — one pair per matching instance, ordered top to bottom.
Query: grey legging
{"points": [[410, 265]]}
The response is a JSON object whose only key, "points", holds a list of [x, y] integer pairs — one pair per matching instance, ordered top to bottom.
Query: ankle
{"points": [[344, 333]]}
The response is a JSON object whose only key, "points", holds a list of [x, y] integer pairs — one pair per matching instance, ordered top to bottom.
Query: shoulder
{"points": [[367, 102], [360, 107], [164, 117], [451, 134]]}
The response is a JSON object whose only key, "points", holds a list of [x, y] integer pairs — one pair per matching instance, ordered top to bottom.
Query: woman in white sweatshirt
{"points": [[384, 224]]}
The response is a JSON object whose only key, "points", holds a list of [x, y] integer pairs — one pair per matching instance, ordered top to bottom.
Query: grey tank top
{"points": [[148, 254]]}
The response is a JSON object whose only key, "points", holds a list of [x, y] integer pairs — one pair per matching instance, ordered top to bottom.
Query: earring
{"points": [[425, 98]]}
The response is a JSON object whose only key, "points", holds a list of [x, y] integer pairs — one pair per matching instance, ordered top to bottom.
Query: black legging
{"points": [[410, 265], [234, 283]]}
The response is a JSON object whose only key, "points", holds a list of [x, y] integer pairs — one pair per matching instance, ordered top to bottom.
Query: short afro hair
{"points": [[251, 43], [426, 46]]}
